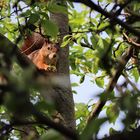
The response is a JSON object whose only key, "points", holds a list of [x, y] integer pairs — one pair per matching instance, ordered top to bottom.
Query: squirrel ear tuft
{"points": [[47, 40], [57, 46]]}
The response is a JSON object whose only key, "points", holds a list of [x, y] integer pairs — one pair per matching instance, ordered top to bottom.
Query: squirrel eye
{"points": [[49, 48]]}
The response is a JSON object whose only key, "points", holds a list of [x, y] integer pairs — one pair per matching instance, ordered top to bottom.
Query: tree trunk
{"points": [[64, 99]]}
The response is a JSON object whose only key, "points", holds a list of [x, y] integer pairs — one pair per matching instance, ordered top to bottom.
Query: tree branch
{"points": [[11, 14], [111, 16], [131, 41], [10, 49], [99, 105], [43, 120], [60, 128], [135, 134]]}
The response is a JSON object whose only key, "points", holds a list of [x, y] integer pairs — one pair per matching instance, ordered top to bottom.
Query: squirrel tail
{"points": [[31, 43]]}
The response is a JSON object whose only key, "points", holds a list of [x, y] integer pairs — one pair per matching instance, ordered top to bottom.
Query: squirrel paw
{"points": [[51, 69]]}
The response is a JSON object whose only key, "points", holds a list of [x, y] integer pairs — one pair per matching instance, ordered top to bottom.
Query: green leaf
{"points": [[71, 4], [55, 8], [25, 14], [33, 18], [103, 25], [50, 28], [85, 37], [79, 40], [93, 41], [65, 43], [100, 43], [72, 64], [95, 66], [135, 73], [82, 79], [99, 81], [74, 84], [74, 91], [42, 105], [81, 110], [112, 112], [92, 128], [112, 131], [51, 135]]}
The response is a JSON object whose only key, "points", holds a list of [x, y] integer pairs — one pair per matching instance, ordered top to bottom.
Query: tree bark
{"points": [[64, 99]]}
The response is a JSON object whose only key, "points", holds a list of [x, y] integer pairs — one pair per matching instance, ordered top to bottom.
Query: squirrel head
{"points": [[50, 51]]}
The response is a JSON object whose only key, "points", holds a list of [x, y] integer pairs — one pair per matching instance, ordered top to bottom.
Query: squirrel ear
{"points": [[47, 40], [57, 46]]}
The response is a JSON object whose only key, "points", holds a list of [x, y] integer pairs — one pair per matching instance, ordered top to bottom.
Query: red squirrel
{"points": [[41, 51]]}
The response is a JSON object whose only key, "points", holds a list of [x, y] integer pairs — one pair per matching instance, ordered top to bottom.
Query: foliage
{"points": [[97, 43]]}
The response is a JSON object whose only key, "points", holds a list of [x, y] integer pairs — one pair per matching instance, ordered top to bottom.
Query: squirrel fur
{"points": [[42, 52]]}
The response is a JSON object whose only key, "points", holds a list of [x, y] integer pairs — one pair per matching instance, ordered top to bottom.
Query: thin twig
{"points": [[11, 14], [113, 19], [131, 41], [113, 81], [132, 84], [20, 130]]}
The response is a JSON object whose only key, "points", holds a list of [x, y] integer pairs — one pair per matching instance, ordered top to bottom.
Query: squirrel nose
{"points": [[54, 55]]}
